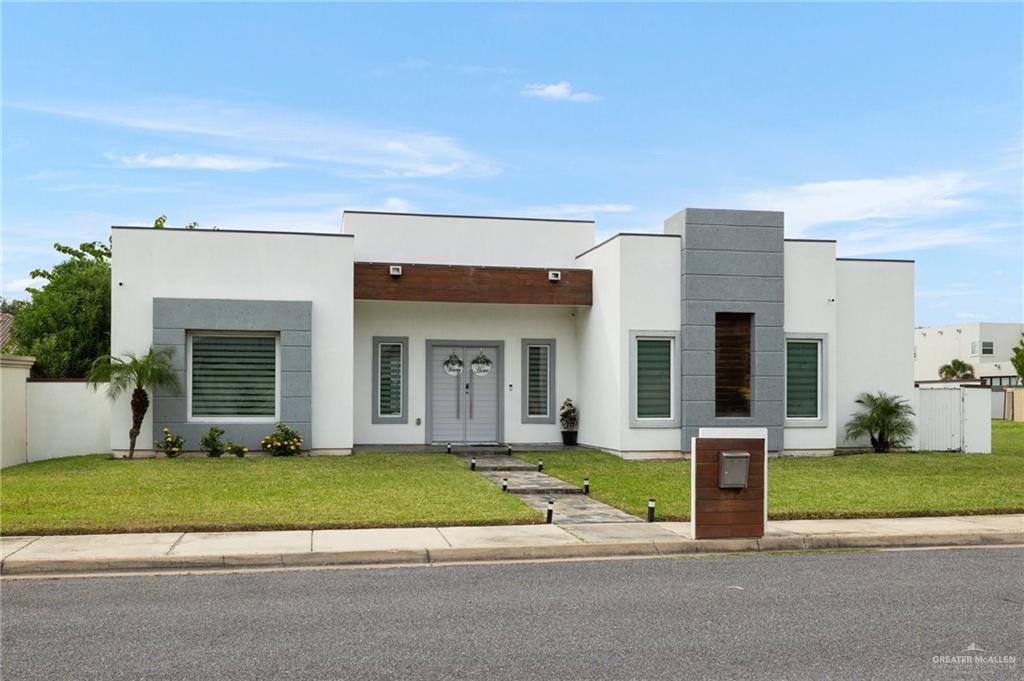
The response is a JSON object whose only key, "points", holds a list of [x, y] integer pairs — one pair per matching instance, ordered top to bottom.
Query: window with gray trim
{"points": [[987, 348], [653, 368], [233, 377], [806, 377], [803, 379], [390, 380], [538, 380]]}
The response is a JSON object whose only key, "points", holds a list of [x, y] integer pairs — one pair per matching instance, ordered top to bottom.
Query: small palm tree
{"points": [[956, 370], [138, 374], [886, 419]]}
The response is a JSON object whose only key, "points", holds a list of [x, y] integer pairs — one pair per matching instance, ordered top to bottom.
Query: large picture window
{"points": [[733, 363], [233, 377], [390, 380], [538, 380], [653, 392]]}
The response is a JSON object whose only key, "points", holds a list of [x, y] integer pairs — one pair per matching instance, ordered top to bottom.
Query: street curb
{"points": [[13, 566]]}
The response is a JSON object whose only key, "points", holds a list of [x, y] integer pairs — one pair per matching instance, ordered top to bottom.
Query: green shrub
{"points": [[284, 441], [210, 443], [173, 445], [236, 449]]}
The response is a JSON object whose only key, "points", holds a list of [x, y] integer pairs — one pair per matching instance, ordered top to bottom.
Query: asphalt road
{"points": [[823, 615]]}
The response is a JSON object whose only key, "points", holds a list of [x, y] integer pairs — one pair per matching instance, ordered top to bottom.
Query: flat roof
{"points": [[461, 217], [230, 231], [616, 236], [875, 259]]}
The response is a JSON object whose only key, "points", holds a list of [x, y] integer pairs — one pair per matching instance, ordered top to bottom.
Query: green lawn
{"points": [[856, 486], [98, 494]]}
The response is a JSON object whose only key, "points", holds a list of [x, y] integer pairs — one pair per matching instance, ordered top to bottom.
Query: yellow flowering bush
{"points": [[284, 441], [173, 445], [236, 449]]}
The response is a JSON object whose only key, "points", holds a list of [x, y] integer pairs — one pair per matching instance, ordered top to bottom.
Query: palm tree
{"points": [[152, 370], [956, 370], [886, 419]]}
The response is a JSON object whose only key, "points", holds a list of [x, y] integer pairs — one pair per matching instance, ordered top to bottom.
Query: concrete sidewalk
{"points": [[178, 550]]}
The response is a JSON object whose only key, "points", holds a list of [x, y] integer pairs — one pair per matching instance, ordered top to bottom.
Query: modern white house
{"points": [[408, 329], [985, 346]]}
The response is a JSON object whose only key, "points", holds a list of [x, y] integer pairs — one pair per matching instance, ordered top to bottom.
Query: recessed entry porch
{"points": [[427, 374]]}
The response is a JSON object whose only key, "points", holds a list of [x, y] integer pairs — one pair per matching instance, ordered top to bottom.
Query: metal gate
{"points": [[941, 419]]}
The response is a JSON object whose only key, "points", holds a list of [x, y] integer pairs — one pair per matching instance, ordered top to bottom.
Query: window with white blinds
{"points": [[538, 360], [233, 376], [653, 378], [389, 379], [803, 379]]}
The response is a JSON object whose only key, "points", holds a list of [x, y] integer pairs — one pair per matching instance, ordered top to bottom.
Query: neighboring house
{"points": [[408, 329], [986, 347]]}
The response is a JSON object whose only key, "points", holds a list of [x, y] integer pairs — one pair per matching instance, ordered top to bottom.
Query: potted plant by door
{"points": [[569, 417]]}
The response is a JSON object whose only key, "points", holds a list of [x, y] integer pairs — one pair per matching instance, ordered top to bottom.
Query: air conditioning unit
{"points": [[395, 270], [554, 275]]}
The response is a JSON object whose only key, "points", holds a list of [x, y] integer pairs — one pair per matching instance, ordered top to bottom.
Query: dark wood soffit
{"points": [[473, 284]]}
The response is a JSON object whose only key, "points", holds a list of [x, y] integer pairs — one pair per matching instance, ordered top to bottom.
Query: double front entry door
{"points": [[464, 392]]}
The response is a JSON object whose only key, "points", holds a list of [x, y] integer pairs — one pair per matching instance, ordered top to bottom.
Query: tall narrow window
{"points": [[733, 363], [390, 372], [233, 377], [654, 378], [390, 379], [803, 379], [538, 380], [537, 400]]}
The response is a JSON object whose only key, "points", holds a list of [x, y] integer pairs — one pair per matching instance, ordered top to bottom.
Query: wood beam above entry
{"points": [[472, 284]]}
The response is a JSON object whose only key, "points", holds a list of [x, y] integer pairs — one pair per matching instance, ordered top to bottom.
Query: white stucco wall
{"points": [[452, 240], [172, 263], [636, 288], [811, 308], [460, 321], [875, 333], [14, 369], [600, 381], [67, 418]]}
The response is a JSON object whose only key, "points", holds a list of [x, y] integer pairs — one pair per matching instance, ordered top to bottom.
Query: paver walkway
{"points": [[536, 489]]}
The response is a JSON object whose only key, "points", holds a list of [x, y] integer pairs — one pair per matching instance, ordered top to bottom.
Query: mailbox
{"points": [[732, 469]]}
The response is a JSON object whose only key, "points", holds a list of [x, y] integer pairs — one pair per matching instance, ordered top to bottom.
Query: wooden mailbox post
{"points": [[723, 504]]}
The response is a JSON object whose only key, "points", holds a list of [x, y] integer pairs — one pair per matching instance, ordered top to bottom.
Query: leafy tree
{"points": [[161, 223], [11, 305], [66, 325], [1017, 358], [956, 370], [138, 374], [885, 419]]}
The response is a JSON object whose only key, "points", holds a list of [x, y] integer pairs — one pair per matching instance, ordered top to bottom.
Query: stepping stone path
{"points": [[536, 489]]}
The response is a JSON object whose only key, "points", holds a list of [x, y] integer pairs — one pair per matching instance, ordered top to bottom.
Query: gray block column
{"points": [[732, 261]]}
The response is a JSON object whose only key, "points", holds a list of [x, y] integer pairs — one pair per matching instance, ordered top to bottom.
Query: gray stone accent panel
{"points": [[732, 261], [175, 318]]}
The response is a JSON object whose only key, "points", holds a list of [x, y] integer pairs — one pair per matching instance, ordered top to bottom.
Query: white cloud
{"points": [[560, 91], [345, 148], [199, 162], [904, 198], [578, 210], [895, 238], [16, 288], [946, 292], [970, 315]]}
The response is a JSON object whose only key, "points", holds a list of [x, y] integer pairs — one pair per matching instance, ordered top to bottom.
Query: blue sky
{"points": [[896, 129]]}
